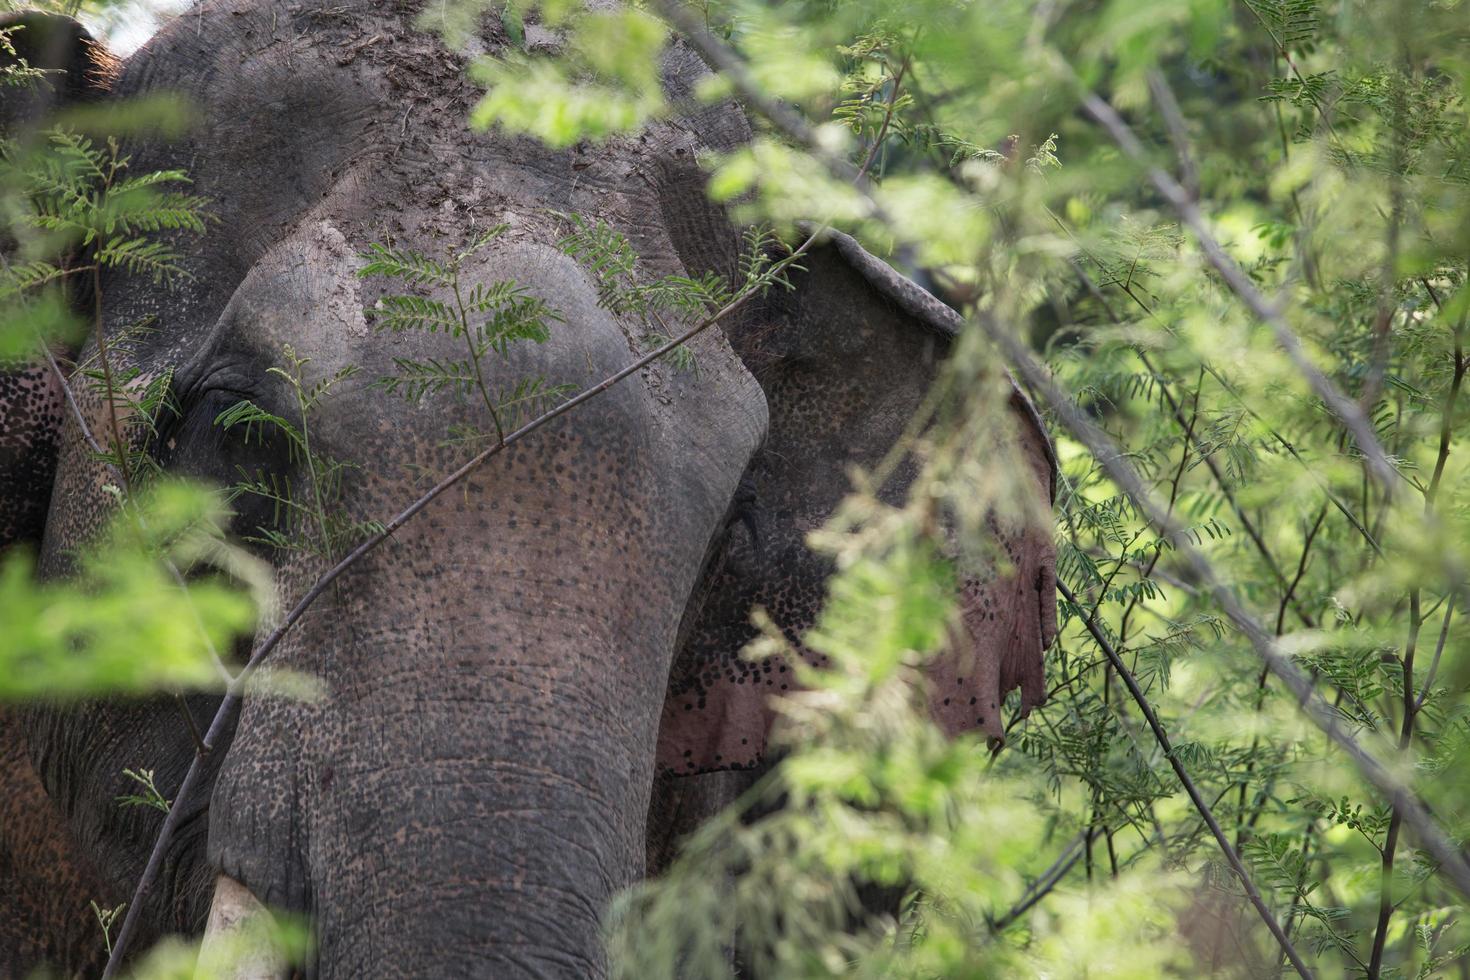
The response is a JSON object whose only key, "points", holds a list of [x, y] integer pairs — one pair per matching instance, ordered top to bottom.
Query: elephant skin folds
{"points": [[503, 681]]}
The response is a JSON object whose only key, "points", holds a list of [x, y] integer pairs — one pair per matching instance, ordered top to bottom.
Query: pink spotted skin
{"points": [[844, 370], [31, 412]]}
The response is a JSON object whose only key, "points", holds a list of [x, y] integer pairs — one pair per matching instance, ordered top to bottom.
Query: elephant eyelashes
{"points": [[198, 445]]}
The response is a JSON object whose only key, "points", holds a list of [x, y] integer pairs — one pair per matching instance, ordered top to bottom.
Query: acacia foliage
{"points": [[1323, 146]]}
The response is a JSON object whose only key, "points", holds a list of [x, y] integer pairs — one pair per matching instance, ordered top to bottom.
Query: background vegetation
{"points": [[1226, 243]]}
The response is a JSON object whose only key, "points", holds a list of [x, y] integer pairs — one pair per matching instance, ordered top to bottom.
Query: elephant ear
{"points": [[72, 67], [74, 70], [845, 359]]}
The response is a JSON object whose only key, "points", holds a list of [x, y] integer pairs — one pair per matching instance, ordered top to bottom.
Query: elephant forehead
{"points": [[693, 431]]}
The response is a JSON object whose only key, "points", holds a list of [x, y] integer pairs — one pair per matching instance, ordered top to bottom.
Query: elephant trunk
{"points": [[473, 791], [478, 867]]}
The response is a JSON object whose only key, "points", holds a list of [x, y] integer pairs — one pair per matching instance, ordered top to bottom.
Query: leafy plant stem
{"points": [[1295, 71], [887, 119], [469, 339], [1189, 443], [310, 460]]}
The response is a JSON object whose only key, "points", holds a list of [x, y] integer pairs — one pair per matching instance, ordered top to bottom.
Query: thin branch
{"points": [[1301, 80], [887, 120], [1178, 133], [1383, 318], [1447, 421], [1209, 458], [1112, 459], [1327, 491], [1444, 632], [236, 688], [1411, 703], [183, 707], [1395, 821], [1242, 822], [1226, 848], [1046, 881]]}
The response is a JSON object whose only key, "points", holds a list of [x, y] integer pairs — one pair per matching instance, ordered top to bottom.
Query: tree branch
{"points": [[1347, 410], [1206, 814], [1046, 881]]}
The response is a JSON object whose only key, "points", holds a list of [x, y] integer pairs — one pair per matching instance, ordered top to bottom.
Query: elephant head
{"points": [[503, 679]]}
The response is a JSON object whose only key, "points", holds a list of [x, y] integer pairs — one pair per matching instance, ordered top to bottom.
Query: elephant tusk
{"points": [[240, 939]]}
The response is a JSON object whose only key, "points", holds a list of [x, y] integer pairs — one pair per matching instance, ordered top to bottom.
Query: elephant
{"points": [[533, 686]]}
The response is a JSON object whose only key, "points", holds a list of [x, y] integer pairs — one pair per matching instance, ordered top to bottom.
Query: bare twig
{"points": [[1444, 633], [1185, 780], [1046, 881]]}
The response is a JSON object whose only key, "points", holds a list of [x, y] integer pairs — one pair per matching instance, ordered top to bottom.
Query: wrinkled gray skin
{"points": [[477, 781]]}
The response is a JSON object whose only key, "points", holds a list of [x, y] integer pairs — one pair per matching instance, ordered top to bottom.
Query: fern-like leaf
{"points": [[405, 264]]}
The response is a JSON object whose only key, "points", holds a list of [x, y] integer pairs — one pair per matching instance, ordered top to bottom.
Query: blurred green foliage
{"points": [[1327, 145], [155, 595], [86, 636]]}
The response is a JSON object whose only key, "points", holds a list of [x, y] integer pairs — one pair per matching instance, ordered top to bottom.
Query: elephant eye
{"points": [[216, 439]]}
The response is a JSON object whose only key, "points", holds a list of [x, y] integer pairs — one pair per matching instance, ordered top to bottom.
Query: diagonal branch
{"points": [[1444, 633], [236, 688], [1308, 699], [1206, 814], [1047, 880]]}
